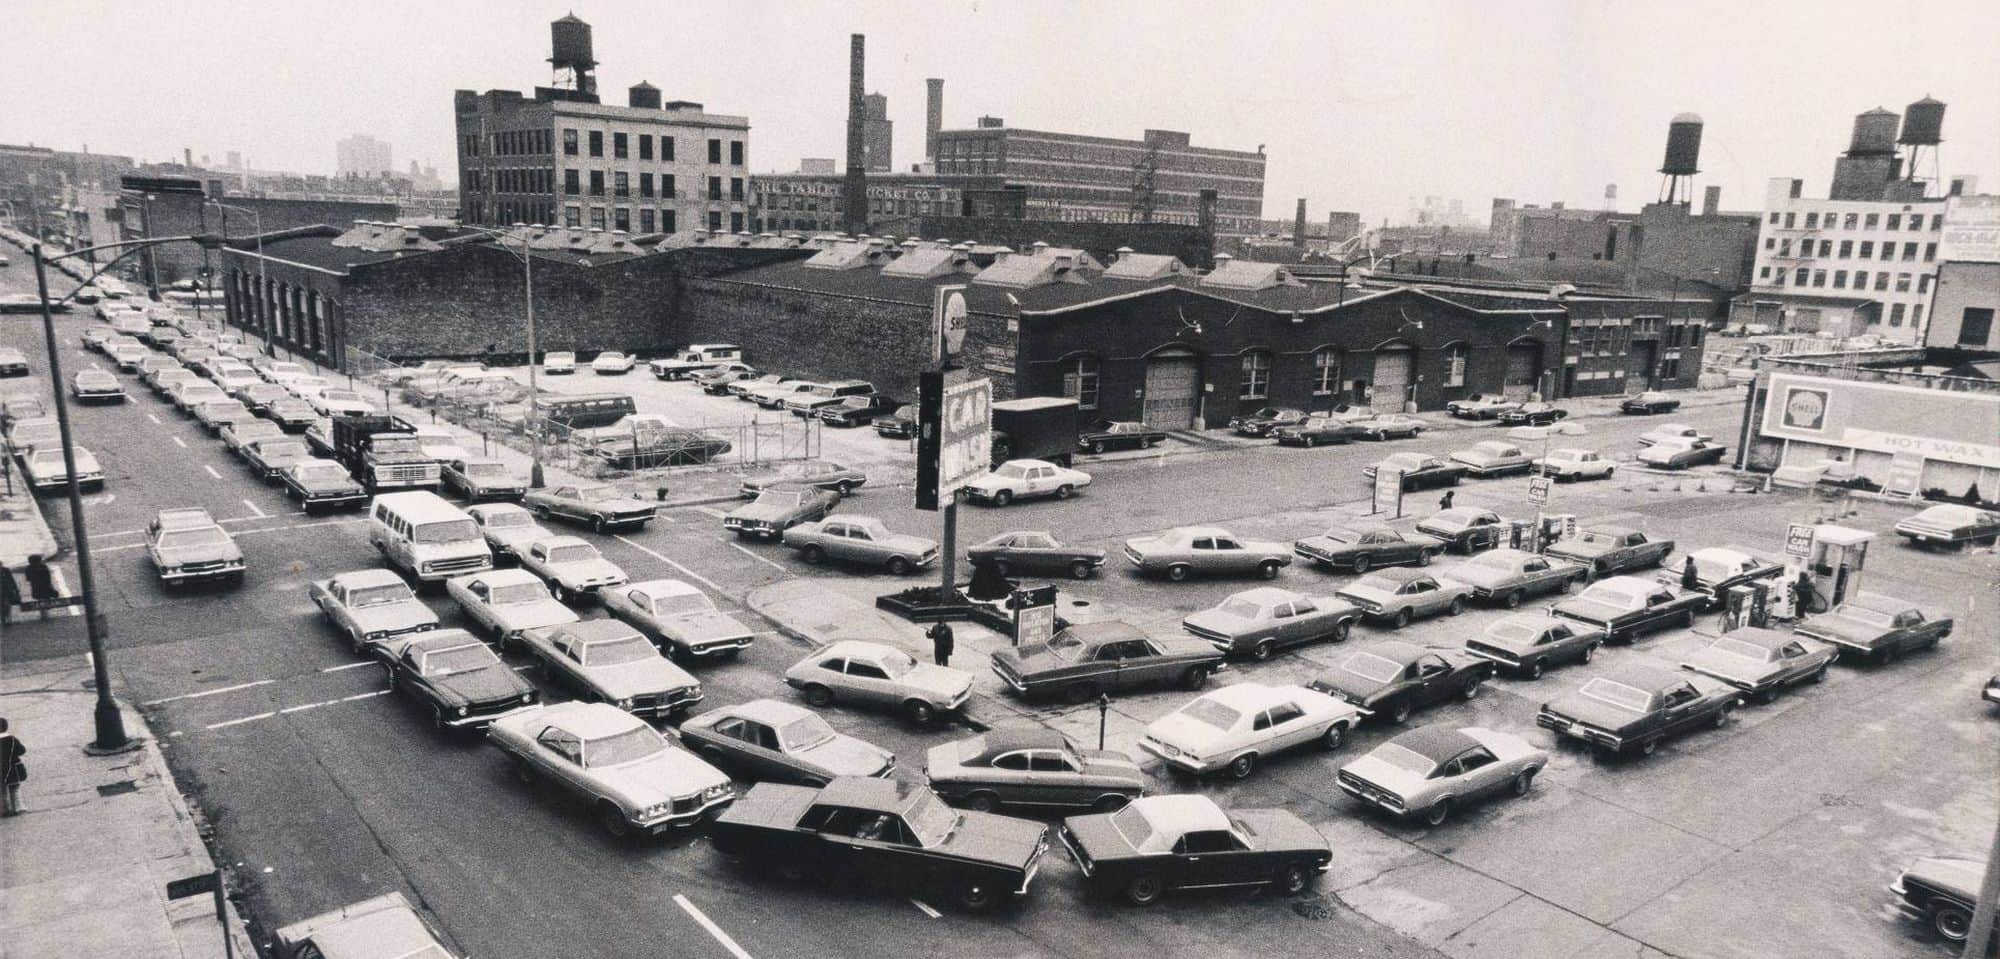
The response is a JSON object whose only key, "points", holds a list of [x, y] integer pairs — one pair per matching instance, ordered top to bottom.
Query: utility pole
{"points": [[111, 736], [1979, 942]]}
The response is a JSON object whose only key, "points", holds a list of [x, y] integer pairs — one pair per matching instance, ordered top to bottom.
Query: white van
{"points": [[421, 534]]}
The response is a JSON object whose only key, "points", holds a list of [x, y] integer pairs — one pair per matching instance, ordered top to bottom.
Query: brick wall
{"points": [[176, 215]]}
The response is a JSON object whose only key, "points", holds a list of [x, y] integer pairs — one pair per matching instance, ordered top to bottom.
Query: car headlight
{"points": [[625, 703], [462, 710], [716, 791], [656, 809]]}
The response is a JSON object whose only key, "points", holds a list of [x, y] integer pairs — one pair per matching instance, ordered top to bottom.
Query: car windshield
{"points": [[396, 444], [289, 450], [322, 472], [780, 497], [509, 519], [447, 531], [184, 538], [577, 553], [1378, 582], [518, 593], [381, 595], [682, 603], [1240, 608], [1871, 617], [1516, 632], [1066, 645], [1737, 647], [617, 652], [459, 659], [1372, 667], [1615, 693], [1212, 713], [805, 733], [634, 744], [1403, 757], [931, 820], [1133, 825]]}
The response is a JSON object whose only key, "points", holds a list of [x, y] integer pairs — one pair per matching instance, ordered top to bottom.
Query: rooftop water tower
{"points": [[1923, 130], [1683, 159]]}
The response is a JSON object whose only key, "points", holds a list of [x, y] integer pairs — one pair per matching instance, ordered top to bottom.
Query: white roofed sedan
{"points": [[612, 363], [1575, 464], [46, 470], [1022, 479], [508, 529], [861, 539], [1205, 550], [571, 566], [507, 601], [369, 606], [679, 618], [606, 661], [880, 675], [1231, 728], [770, 741], [1429, 771], [633, 778]]}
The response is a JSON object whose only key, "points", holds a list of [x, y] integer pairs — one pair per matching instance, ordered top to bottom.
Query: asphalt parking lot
{"points": [[1772, 837]]}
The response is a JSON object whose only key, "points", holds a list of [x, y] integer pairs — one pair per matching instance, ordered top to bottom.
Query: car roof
{"points": [[1496, 446], [1405, 457], [1027, 463], [494, 509], [1462, 512], [854, 520], [1610, 530], [1192, 532], [554, 541], [1721, 554], [1400, 575], [507, 577], [363, 578], [1639, 583], [665, 587], [1265, 595], [1880, 602], [596, 630], [1108, 631], [1767, 638], [442, 639], [855, 647], [1649, 678], [1243, 697], [770, 712], [586, 720], [1007, 740], [1437, 742], [868, 792], [1179, 814]]}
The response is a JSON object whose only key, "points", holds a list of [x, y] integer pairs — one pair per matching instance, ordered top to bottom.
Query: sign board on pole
{"points": [[952, 319], [965, 435], [1906, 474], [1388, 491], [1538, 491], [1799, 540], [1034, 615], [194, 885]]}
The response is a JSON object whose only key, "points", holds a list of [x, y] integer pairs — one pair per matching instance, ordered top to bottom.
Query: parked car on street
{"points": [[13, 362], [558, 363], [612, 363], [715, 380], [96, 386], [745, 389], [336, 401], [1648, 403], [1481, 406], [856, 410], [216, 414], [1533, 414], [292, 415], [1263, 421], [898, 424], [1388, 426], [1317, 429], [1669, 432], [1103, 435], [236, 436], [1681, 454], [267, 458], [1490, 458], [1568, 464], [46, 471], [1420, 471], [820, 474], [482, 478], [1024, 479], [599, 505], [779, 508], [1951, 525], [507, 528], [1465, 529], [860, 539], [187, 545], [1362, 548], [1605, 550], [1035, 551], [1205, 551], [572, 567], [1718, 569], [1510, 576], [1396, 596], [505, 602], [369, 606], [1623, 608], [678, 618], [1264, 620], [1876, 627], [1527, 645], [1085, 660], [606, 661], [1762, 662], [882, 676], [458, 678], [1636, 707], [1232, 728], [765, 740], [1031, 766], [1428, 772], [632, 778], [883, 831], [1158, 844], [1942, 893], [383, 926]]}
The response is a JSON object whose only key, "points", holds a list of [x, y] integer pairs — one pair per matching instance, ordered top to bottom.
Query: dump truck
{"points": [[383, 453]]}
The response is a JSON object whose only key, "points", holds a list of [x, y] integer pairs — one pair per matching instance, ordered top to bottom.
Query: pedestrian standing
{"points": [[1444, 502], [1689, 580], [41, 581], [10, 594], [941, 643], [12, 771]]}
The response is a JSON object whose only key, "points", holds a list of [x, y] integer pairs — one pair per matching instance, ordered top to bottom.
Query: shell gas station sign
{"points": [[1941, 425]]}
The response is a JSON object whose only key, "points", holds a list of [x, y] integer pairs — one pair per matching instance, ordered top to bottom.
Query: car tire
{"points": [[1306, 441], [1097, 446], [845, 488], [1065, 491], [1003, 497], [597, 525], [814, 554], [1424, 557], [1361, 564], [898, 566], [1004, 568], [1269, 568], [1079, 570], [1178, 572], [1514, 598], [1457, 605], [1402, 618], [1340, 632], [360, 645], [1264, 650], [1589, 653], [1886, 656], [1537, 668], [1818, 675], [1195, 678], [1471, 690], [1078, 693], [818, 697], [1400, 712], [921, 713], [1722, 716], [1334, 737], [1649, 747], [1242, 766], [523, 773], [1524, 782], [981, 801], [1110, 802], [1437, 813], [613, 821], [1292, 879], [1144, 890], [976, 897], [1951, 921]]}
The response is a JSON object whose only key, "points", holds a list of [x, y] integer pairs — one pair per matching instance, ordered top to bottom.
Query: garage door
{"points": [[1645, 359], [1524, 372], [1391, 385], [1173, 390]]}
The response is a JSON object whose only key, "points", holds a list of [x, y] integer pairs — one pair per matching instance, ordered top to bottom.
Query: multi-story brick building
{"points": [[1069, 176], [812, 202], [1848, 250]]}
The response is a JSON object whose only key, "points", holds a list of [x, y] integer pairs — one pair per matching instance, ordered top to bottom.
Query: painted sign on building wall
{"points": [[1971, 230], [1946, 425]]}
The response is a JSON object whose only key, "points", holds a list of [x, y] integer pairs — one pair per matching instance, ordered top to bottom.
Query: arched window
{"points": [[1454, 365], [1326, 371], [1256, 375], [1080, 381]]}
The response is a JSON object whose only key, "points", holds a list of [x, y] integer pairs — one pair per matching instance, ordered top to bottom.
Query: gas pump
{"points": [[1838, 555], [1747, 605]]}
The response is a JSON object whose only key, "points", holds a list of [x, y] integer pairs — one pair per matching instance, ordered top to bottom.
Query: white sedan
{"points": [[611, 362], [339, 401], [1666, 432], [1575, 464], [1022, 479], [506, 602], [1232, 727]]}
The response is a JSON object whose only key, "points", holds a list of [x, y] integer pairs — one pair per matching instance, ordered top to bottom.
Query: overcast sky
{"points": [[1360, 105]]}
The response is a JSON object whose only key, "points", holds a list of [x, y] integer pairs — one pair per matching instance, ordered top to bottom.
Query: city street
{"points": [[1775, 836]]}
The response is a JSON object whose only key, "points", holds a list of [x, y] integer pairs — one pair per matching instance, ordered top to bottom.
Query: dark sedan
{"points": [[1648, 403], [856, 410], [1533, 414], [1263, 421], [898, 424], [1317, 429], [1118, 434], [1420, 471], [1951, 525], [1466, 530], [1364, 548], [1036, 551], [1877, 628], [1528, 645], [1092, 658], [455, 675], [1392, 679], [1637, 707], [1031, 766], [1161, 843], [1942, 893]]}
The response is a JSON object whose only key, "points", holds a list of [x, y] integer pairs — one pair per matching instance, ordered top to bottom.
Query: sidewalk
{"points": [[24, 532], [83, 872]]}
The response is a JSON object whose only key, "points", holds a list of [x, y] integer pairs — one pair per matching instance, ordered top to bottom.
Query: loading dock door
{"points": [[1645, 364], [1524, 372], [1392, 379], [1173, 390]]}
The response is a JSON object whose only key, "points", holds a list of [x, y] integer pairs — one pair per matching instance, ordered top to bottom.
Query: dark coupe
{"points": [[1648, 403], [1263, 421], [1117, 434], [1419, 471], [1464, 529], [1368, 547], [1036, 551], [1528, 645], [1091, 658], [457, 676], [1392, 679], [1637, 707], [1031, 766], [1160, 843]]}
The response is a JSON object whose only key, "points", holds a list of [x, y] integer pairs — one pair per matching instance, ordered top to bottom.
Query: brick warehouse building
{"points": [[172, 214]]}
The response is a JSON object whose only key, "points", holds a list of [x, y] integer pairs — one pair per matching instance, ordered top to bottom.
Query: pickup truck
{"points": [[383, 453], [1605, 550], [1624, 608]]}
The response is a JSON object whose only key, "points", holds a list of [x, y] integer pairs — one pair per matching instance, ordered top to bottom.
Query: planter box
{"points": [[924, 605]]}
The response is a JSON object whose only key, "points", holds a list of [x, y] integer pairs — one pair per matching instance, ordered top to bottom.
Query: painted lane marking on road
{"points": [[155, 419], [183, 445], [211, 471], [253, 508], [282, 529], [739, 547], [697, 577], [62, 589], [336, 669], [210, 692], [302, 707], [239, 722], [926, 909], [702, 920]]}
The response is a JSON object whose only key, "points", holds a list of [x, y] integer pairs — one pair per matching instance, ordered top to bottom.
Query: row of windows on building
{"points": [[591, 142], [508, 143], [620, 185], [511, 212], [646, 220], [1857, 221], [1850, 249], [1843, 280], [1082, 374]]}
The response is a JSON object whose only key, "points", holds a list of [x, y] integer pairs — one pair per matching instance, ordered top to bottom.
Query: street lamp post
{"points": [[263, 287], [535, 478]]}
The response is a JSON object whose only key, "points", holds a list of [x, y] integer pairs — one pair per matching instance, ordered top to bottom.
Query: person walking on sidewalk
{"points": [[41, 582], [941, 643], [12, 770]]}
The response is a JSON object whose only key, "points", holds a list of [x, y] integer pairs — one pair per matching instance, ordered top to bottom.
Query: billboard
{"points": [[1971, 230], [1946, 425], [965, 438]]}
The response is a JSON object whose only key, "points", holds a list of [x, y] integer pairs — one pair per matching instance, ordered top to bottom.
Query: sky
{"points": [[1360, 106]]}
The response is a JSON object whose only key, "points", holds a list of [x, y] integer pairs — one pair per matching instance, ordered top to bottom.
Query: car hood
{"points": [[769, 512], [906, 542], [587, 570], [545, 612], [392, 617], [1220, 621], [699, 627], [1723, 666], [642, 677], [937, 680], [485, 684], [1343, 685], [1575, 705], [1186, 733], [847, 756], [666, 775], [1386, 775], [1002, 840], [1959, 876]]}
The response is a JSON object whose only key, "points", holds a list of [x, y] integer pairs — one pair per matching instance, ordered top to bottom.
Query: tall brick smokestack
{"points": [[933, 116], [855, 202], [1299, 225]]}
